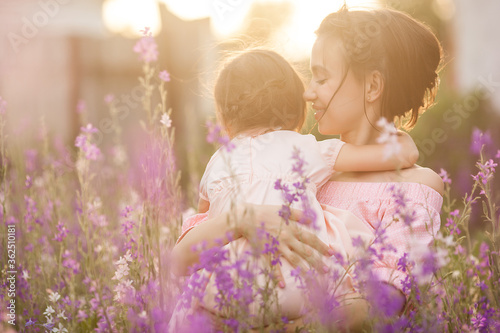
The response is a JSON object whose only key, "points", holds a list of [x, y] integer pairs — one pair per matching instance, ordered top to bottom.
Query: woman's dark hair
{"points": [[403, 50]]}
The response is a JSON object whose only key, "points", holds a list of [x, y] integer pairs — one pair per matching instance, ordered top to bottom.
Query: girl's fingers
{"points": [[296, 215], [314, 242], [304, 252], [294, 259], [278, 275]]}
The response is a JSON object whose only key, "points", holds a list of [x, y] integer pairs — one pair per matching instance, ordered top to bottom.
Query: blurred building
{"points": [[477, 48], [56, 53]]}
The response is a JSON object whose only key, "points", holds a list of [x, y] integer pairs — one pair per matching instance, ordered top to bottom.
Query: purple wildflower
{"points": [[146, 47], [164, 76], [89, 129], [215, 135], [479, 139], [82, 141], [486, 171], [444, 175], [28, 182], [403, 211], [452, 226], [62, 232], [403, 263], [82, 315], [479, 321], [30, 322]]}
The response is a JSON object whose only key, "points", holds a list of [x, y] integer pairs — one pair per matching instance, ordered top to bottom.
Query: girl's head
{"points": [[379, 60], [259, 90]]}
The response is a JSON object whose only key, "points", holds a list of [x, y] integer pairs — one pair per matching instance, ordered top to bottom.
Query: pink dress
{"points": [[375, 203]]}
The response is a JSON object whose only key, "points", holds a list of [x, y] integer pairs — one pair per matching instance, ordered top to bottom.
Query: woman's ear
{"points": [[374, 86]]}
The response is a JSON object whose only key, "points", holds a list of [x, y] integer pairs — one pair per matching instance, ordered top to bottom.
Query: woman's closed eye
{"points": [[322, 81]]}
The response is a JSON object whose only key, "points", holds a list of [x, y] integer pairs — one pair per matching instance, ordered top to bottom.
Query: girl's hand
{"points": [[409, 155], [299, 246]]}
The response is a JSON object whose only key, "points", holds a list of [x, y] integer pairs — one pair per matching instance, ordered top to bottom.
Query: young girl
{"points": [[259, 103]]}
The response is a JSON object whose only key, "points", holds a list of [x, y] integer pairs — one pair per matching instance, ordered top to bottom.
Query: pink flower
{"points": [[146, 47], [164, 76], [109, 98], [3, 105], [80, 106], [89, 129], [215, 135], [389, 137], [81, 141], [92, 152], [498, 154], [444, 175]]}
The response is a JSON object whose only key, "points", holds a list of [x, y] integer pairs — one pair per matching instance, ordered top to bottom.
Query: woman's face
{"points": [[346, 111]]}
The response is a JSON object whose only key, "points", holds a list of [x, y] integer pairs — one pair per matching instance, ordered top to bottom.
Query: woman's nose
{"points": [[309, 95]]}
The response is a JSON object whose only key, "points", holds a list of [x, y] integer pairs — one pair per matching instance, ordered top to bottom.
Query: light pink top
{"points": [[374, 203]]}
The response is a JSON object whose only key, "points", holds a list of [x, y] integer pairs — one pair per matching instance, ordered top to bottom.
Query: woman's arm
{"points": [[371, 157], [212, 232], [300, 247]]}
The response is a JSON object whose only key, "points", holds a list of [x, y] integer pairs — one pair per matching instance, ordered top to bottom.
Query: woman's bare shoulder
{"points": [[415, 174], [425, 176]]}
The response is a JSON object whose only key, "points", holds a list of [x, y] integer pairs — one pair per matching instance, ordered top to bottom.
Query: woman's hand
{"points": [[300, 247]]}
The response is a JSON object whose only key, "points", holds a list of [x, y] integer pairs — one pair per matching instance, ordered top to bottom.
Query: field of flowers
{"points": [[85, 249]]}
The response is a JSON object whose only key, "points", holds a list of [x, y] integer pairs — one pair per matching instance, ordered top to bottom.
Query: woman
{"points": [[365, 65]]}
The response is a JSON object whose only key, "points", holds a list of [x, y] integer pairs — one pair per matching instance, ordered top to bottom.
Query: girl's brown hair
{"points": [[403, 50], [259, 89]]}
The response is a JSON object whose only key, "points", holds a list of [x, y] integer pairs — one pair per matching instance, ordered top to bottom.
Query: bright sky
{"points": [[129, 16]]}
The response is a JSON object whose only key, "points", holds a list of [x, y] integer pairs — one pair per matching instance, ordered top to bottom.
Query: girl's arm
{"points": [[371, 157], [203, 206], [211, 232]]}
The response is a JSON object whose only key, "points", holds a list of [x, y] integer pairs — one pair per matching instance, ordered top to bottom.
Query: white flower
{"points": [[165, 120], [389, 137], [128, 256], [121, 261], [122, 270], [25, 275], [54, 297], [49, 311], [61, 315], [143, 315], [50, 320], [59, 329]]}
